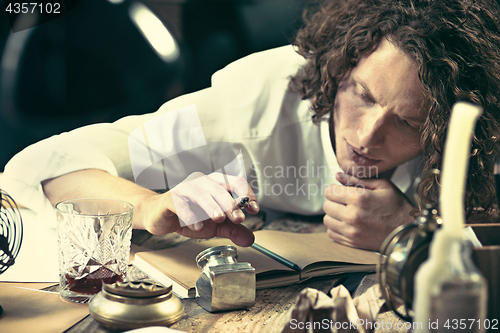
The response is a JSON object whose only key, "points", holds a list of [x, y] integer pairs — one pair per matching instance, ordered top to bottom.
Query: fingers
{"points": [[365, 183], [239, 188], [355, 190], [345, 194], [201, 197], [250, 206], [192, 212], [362, 212], [342, 219], [345, 223], [338, 231], [237, 233], [351, 235], [336, 237]]}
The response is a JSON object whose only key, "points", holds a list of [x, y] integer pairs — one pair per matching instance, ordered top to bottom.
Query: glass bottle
{"points": [[458, 299]]}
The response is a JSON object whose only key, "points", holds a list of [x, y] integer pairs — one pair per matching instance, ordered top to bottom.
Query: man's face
{"points": [[378, 113]]}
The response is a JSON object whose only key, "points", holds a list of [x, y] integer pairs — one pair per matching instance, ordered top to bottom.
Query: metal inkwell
{"points": [[402, 252], [224, 284], [128, 305]]}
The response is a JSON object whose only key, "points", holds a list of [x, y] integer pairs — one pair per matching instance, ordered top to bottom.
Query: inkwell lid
{"points": [[129, 305]]}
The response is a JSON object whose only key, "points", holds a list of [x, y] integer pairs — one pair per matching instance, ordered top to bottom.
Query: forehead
{"points": [[392, 79]]}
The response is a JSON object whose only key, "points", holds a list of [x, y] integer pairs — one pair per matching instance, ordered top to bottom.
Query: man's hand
{"points": [[199, 207], [202, 207], [362, 212]]}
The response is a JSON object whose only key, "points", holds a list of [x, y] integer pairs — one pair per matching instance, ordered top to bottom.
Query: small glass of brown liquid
{"points": [[94, 245]]}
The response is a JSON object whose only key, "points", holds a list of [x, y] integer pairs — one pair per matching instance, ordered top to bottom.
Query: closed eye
{"points": [[363, 93], [365, 97], [410, 125]]}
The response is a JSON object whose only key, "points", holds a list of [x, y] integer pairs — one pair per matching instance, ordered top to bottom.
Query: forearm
{"points": [[99, 184], [155, 212]]}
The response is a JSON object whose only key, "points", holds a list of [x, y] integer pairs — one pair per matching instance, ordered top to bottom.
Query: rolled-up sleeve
{"points": [[243, 107], [98, 146], [50, 158]]}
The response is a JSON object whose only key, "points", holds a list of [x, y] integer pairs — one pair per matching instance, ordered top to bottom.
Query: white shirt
{"points": [[247, 123]]}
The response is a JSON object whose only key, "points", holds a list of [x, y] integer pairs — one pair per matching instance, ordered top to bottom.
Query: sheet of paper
{"points": [[37, 260], [28, 310]]}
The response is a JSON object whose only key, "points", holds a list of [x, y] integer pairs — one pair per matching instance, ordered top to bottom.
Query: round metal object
{"points": [[402, 253], [217, 255], [129, 305]]}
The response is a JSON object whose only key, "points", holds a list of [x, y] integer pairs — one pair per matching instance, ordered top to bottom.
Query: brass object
{"points": [[404, 250], [402, 253], [224, 284], [128, 305]]}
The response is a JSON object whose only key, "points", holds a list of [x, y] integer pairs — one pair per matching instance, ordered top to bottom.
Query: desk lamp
{"points": [[11, 232]]}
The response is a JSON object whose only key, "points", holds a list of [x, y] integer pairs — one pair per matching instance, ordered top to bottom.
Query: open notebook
{"points": [[316, 254]]}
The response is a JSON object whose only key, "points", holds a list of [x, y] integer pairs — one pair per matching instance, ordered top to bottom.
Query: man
{"points": [[380, 78]]}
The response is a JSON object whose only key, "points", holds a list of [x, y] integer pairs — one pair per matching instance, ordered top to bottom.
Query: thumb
{"points": [[370, 184], [237, 233]]}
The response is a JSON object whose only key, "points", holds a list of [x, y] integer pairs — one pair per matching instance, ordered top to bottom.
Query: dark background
{"points": [[92, 64]]}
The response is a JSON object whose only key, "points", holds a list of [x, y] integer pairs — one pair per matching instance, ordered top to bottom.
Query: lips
{"points": [[358, 158]]}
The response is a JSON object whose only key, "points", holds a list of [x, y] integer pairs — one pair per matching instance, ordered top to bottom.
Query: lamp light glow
{"points": [[155, 32]]}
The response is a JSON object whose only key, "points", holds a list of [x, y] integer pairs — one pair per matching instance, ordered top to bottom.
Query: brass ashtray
{"points": [[128, 305]]}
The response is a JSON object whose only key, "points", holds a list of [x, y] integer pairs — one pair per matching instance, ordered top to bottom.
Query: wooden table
{"points": [[272, 309]]}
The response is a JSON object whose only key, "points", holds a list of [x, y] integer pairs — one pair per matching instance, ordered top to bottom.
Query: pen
{"points": [[276, 257]]}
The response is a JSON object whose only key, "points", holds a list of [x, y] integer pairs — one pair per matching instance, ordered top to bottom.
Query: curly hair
{"points": [[456, 46]]}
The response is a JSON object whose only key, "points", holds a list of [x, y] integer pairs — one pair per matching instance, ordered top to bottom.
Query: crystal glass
{"points": [[94, 245]]}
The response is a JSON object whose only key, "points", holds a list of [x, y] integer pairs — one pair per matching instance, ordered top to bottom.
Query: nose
{"points": [[371, 132]]}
